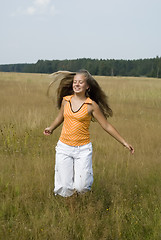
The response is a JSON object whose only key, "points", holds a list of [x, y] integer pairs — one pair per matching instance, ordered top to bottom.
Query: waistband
{"points": [[77, 147]]}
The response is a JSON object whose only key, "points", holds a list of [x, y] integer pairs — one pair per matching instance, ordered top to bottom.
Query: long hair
{"points": [[65, 86], [94, 92]]}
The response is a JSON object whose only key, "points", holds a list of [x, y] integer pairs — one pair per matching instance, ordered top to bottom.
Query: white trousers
{"points": [[73, 169]]}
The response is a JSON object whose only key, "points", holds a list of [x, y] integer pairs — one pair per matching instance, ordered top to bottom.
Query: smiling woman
{"points": [[80, 84], [93, 90], [80, 99]]}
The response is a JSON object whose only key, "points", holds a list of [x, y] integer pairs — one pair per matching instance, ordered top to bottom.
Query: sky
{"points": [[31, 30]]}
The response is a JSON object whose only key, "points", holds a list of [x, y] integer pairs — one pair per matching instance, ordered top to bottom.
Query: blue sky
{"points": [[70, 29]]}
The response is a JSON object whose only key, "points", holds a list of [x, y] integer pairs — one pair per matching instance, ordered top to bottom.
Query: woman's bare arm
{"points": [[98, 115], [58, 120]]}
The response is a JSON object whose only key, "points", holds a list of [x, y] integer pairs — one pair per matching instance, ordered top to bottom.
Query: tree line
{"points": [[142, 67]]}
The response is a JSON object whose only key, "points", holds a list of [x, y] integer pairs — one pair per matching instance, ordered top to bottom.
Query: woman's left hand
{"points": [[47, 131], [129, 147]]}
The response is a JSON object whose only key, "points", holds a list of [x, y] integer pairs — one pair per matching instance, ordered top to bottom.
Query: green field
{"points": [[125, 201]]}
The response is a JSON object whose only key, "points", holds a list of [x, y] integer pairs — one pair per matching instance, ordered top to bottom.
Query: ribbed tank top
{"points": [[75, 131]]}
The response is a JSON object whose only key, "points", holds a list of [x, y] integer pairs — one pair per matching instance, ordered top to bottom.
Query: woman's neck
{"points": [[79, 96]]}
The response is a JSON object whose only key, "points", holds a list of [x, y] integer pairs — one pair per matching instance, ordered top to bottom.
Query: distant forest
{"points": [[142, 67]]}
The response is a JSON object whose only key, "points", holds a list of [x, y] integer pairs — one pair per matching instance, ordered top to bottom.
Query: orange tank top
{"points": [[75, 131]]}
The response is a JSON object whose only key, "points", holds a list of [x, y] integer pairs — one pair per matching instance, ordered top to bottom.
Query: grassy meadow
{"points": [[125, 201]]}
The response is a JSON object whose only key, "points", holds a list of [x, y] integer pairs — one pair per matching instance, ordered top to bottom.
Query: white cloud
{"points": [[42, 2], [38, 7], [30, 11]]}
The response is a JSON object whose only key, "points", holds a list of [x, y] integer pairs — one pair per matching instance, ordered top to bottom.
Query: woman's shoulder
{"points": [[67, 98], [89, 100], [92, 102], [92, 105]]}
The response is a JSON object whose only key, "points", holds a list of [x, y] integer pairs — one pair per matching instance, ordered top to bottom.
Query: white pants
{"points": [[73, 169]]}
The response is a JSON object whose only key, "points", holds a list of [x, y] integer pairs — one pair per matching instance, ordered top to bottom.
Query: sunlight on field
{"points": [[125, 199]]}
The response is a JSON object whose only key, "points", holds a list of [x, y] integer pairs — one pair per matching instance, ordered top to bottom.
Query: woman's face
{"points": [[80, 84]]}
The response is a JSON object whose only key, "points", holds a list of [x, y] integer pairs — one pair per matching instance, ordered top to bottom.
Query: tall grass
{"points": [[125, 199]]}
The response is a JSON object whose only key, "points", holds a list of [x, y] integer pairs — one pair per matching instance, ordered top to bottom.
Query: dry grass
{"points": [[125, 198]]}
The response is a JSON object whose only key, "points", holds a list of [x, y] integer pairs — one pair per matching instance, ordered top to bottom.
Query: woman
{"points": [[80, 100]]}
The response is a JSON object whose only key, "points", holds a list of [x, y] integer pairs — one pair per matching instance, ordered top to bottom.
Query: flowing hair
{"points": [[94, 92]]}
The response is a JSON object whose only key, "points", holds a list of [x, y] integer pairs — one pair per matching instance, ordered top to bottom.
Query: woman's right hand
{"points": [[47, 131]]}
